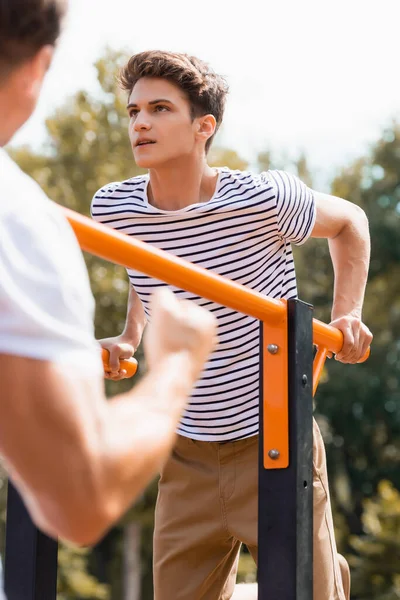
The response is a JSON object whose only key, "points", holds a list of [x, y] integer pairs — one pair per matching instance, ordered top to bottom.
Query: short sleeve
{"points": [[100, 201], [295, 206], [46, 306]]}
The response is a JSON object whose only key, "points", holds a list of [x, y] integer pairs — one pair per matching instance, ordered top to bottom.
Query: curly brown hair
{"points": [[26, 26], [205, 90]]}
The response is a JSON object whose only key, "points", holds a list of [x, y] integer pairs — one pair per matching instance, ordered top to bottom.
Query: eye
{"points": [[160, 108], [133, 112]]}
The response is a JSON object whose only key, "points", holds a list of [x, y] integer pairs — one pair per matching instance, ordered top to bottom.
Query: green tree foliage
{"points": [[226, 157], [362, 403], [359, 406], [375, 566], [73, 580]]}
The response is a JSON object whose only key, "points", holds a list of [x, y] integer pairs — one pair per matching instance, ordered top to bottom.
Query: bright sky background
{"points": [[309, 75]]}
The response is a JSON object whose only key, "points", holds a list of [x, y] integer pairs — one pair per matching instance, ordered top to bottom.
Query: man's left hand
{"points": [[356, 338]]}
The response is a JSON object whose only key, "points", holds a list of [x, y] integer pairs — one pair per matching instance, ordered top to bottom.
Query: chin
{"points": [[149, 161], [146, 162], [159, 162]]}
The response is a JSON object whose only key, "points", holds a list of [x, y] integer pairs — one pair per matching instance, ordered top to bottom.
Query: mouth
{"points": [[144, 143]]}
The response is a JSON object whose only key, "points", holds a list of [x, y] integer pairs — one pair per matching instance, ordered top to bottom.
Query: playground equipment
{"points": [[289, 378]]}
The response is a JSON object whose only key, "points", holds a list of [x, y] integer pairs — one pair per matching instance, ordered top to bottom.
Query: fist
{"points": [[179, 327], [356, 338], [118, 350]]}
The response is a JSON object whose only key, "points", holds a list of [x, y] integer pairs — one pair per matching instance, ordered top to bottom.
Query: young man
{"points": [[241, 226], [78, 460]]}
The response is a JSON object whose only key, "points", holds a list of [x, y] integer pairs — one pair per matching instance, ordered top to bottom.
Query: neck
{"points": [[7, 119], [173, 187]]}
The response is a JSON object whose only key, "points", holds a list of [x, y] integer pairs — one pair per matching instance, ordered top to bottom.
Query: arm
{"points": [[345, 225], [135, 320], [126, 344], [80, 461]]}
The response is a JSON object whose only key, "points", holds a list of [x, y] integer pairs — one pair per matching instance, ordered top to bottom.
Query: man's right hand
{"points": [[179, 327], [118, 349]]}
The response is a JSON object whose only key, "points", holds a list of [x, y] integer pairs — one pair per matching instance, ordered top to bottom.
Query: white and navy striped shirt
{"points": [[244, 232]]}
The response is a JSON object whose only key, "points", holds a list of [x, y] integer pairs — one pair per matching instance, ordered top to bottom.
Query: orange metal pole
{"points": [[131, 253], [318, 366], [275, 396]]}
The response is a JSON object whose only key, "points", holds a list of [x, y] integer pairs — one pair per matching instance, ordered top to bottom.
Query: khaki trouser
{"points": [[207, 507]]}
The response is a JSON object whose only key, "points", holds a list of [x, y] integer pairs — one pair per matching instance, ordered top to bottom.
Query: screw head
{"points": [[272, 348], [304, 380], [274, 454]]}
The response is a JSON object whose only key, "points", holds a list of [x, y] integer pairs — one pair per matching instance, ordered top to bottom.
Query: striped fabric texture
{"points": [[244, 232]]}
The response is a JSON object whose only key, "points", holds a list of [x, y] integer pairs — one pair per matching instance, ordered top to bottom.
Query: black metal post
{"points": [[285, 522], [31, 557]]}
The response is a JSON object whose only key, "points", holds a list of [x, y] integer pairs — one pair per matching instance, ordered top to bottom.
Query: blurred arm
{"points": [[80, 461]]}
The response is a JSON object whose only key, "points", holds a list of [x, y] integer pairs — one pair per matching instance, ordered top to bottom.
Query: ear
{"points": [[35, 69], [206, 127]]}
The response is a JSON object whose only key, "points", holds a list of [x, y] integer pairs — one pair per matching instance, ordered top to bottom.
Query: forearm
{"points": [[350, 253], [135, 320], [140, 431], [92, 458], [80, 460]]}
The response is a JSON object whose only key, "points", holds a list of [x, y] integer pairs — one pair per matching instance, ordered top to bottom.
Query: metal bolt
{"points": [[272, 348], [304, 380], [274, 454]]}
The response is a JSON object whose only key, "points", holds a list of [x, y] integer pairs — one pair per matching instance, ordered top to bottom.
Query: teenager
{"points": [[240, 225]]}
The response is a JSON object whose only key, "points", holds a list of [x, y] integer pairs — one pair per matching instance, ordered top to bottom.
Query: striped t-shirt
{"points": [[244, 232]]}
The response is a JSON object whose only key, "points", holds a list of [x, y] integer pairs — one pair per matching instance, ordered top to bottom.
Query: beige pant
{"points": [[207, 507]]}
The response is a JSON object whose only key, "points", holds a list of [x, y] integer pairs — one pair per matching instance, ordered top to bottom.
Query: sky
{"points": [[305, 75]]}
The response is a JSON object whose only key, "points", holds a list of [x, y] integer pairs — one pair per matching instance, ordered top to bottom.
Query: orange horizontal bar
{"points": [[124, 250], [127, 251]]}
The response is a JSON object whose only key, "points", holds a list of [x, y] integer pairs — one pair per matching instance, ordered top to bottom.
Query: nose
{"points": [[142, 122]]}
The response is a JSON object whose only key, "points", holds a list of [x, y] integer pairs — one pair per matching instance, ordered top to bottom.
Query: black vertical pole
{"points": [[285, 518], [31, 557]]}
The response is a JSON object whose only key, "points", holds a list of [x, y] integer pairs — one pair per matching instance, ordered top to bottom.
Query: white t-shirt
{"points": [[46, 305]]}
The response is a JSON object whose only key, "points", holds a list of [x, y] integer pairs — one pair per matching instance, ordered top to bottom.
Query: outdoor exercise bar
{"points": [[132, 253], [288, 378]]}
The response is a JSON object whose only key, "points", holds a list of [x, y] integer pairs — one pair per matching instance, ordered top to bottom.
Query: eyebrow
{"points": [[158, 101]]}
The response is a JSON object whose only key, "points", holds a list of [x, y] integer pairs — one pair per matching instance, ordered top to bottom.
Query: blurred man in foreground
{"points": [[77, 460]]}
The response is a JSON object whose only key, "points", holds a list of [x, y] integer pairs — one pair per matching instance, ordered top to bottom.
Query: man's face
{"points": [[19, 92], [161, 129]]}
